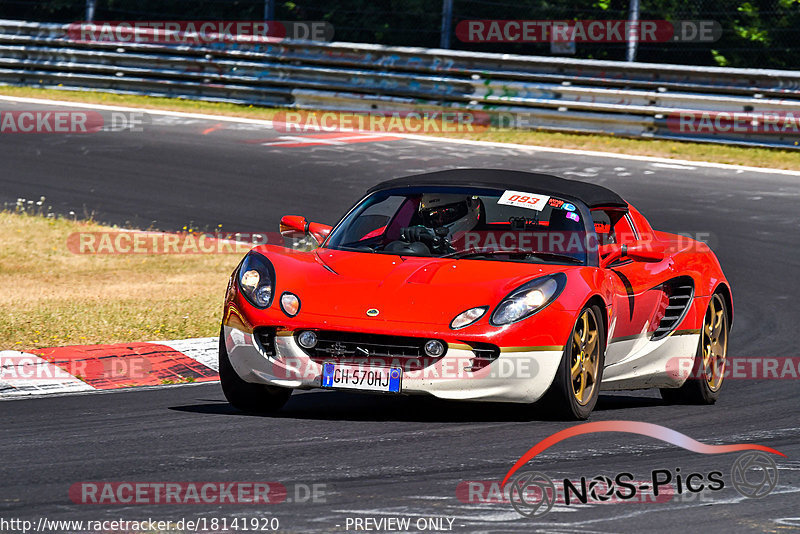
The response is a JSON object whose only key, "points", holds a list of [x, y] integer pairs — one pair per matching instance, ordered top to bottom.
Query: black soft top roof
{"points": [[590, 194]]}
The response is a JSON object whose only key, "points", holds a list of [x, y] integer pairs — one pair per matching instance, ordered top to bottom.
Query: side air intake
{"points": [[680, 292]]}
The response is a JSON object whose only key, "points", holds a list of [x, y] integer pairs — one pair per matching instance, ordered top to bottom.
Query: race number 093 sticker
{"points": [[524, 200]]}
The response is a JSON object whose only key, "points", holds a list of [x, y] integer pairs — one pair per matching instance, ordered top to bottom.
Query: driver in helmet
{"points": [[457, 213], [444, 219]]}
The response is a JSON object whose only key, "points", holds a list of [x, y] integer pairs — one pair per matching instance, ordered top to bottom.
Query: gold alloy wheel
{"points": [[715, 343], [585, 357]]}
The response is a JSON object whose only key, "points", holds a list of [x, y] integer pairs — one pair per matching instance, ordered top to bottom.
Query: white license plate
{"points": [[362, 377]]}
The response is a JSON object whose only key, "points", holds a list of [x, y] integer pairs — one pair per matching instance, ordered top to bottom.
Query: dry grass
{"points": [[757, 157], [51, 296]]}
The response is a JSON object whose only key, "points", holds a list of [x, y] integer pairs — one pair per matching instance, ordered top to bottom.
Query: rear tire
{"points": [[705, 383], [576, 386], [246, 396]]}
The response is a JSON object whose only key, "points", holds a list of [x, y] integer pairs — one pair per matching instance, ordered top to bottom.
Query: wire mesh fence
{"points": [[755, 33]]}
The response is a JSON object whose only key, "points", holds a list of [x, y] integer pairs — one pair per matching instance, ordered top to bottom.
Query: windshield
{"points": [[466, 223]]}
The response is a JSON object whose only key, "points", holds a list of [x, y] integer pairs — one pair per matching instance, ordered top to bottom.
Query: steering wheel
{"points": [[435, 239]]}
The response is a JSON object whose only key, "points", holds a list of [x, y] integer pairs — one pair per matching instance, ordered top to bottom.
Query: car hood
{"points": [[402, 288]]}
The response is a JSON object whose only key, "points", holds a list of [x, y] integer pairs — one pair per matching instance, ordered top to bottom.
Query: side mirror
{"points": [[296, 227], [319, 231], [647, 252]]}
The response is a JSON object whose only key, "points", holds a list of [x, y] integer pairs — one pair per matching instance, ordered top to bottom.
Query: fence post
{"points": [[90, 10], [447, 23], [633, 31]]}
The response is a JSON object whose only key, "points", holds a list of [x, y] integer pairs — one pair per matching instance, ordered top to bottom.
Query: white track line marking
{"points": [[532, 148], [673, 166]]}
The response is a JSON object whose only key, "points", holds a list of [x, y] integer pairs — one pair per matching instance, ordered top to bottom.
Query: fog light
{"points": [[290, 304], [307, 339], [434, 348]]}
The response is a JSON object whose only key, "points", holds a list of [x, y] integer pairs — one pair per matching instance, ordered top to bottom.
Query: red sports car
{"points": [[478, 284]]}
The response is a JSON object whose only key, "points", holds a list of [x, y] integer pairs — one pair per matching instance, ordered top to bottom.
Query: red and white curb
{"points": [[78, 369]]}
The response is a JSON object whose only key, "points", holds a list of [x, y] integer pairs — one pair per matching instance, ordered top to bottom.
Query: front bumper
{"points": [[519, 374]]}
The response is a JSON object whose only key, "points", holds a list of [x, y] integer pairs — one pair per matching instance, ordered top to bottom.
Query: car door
{"points": [[638, 296]]}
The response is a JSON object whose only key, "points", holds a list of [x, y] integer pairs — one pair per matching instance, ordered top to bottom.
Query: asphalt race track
{"points": [[384, 456]]}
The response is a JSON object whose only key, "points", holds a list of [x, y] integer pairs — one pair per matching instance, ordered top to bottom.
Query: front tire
{"points": [[704, 384], [576, 386], [246, 396]]}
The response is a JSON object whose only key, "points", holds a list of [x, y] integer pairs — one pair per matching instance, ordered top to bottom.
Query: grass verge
{"points": [[757, 157], [53, 297]]}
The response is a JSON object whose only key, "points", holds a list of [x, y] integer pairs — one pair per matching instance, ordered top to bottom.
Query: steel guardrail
{"points": [[563, 94]]}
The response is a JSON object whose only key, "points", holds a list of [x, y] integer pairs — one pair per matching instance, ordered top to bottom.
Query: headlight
{"points": [[257, 279], [528, 299], [468, 317]]}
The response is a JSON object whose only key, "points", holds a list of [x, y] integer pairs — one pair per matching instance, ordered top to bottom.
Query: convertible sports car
{"points": [[478, 284]]}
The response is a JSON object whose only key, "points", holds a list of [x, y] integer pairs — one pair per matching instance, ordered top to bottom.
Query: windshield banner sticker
{"points": [[524, 200]]}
